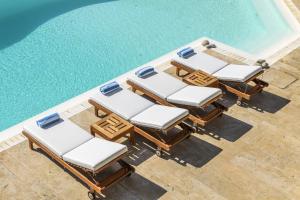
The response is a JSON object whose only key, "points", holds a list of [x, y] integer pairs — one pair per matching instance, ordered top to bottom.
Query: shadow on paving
{"points": [[262, 102], [267, 102], [228, 128], [193, 151], [141, 188]]}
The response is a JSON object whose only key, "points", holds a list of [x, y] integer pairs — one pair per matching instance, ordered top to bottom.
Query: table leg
{"points": [[92, 131], [132, 138]]}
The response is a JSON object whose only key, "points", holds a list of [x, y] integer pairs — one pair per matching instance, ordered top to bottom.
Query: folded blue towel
{"points": [[186, 52], [145, 71], [109, 87], [48, 120]]}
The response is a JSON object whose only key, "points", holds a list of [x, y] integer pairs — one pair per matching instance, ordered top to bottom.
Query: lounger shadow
{"points": [[263, 102], [267, 102], [229, 128], [193, 151], [140, 152], [137, 187]]}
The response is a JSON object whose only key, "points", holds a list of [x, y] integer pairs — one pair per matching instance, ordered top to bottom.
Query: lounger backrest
{"points": [[202, 61], [159, 83], [125, 103], [59, 138]]}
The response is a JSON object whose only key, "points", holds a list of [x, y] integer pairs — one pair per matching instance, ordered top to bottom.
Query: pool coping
{"points": [[11, 136]]}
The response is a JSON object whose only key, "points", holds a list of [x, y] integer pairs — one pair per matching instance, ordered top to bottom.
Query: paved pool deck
{"points": [[252, 152]]}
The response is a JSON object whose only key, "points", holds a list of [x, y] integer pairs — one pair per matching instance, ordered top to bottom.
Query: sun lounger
{"points": [[233, 78], [168, 90], [150, 120], [79, 152]]}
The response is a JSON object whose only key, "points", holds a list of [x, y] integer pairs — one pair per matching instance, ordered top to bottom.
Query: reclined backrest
{"points": [[202, 61], [159, 83], [123, 102], [60, 138]]}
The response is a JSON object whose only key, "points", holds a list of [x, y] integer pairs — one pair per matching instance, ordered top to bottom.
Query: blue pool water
{"points": [[53, 50]]}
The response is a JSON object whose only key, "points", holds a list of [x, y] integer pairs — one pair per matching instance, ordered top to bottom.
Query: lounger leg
{"points": [[178, 71], [239, 101], [96, 112], [92, 131], [30, 144], [159, 152]]}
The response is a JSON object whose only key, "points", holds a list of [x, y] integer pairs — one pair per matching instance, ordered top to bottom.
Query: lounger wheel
{"points": [[239, 101], [158, 152], [129, 174], [91, 195]]}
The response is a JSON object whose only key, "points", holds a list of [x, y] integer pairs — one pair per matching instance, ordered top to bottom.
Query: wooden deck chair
{"points": [[233, 78], [168, 90], [152, 121], [83, 155]]}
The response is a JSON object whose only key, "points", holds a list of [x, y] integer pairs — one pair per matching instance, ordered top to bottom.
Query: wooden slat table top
{"points": [[201, 79], [112, 127]]}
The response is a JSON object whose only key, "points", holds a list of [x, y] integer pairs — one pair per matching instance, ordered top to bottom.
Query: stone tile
{"points": [[222, 57], [284, 67], [278, 78], [84, 119], [11, 188]]}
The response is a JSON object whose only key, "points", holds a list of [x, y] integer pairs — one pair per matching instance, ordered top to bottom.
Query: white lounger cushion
{"points": [[202, 61], [219, 68], [238, 73], [160, 84], [175, 91], [194, 95], [125, 103], [139, 110], [159, 117], [60, 138], [95, 153]]}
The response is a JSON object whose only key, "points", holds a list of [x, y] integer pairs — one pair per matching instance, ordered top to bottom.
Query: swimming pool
{"points": [[53, 50]]}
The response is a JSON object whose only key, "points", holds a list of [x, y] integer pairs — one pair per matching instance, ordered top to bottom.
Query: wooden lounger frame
{"points": [[258, 87], [196, 119], [159, 142], [86, 175]]}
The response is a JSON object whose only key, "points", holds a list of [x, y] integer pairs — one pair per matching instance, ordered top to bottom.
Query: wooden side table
{"points": [[200, 78], [112, 127]]}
